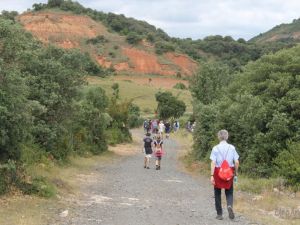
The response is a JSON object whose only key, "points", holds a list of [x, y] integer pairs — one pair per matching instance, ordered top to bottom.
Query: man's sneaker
{"points": [[144, 167], [148, 167], [157, 168], [230, 212], [219, 217]]}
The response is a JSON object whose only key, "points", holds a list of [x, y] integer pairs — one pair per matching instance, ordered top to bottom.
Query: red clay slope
{"points": [[71, 31]]}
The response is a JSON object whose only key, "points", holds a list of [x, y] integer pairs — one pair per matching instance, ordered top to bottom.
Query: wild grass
{"points": [[141, 95]]}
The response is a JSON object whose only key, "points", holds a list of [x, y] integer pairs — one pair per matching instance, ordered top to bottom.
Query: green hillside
{"points": [[287, 33], [213, 48]]}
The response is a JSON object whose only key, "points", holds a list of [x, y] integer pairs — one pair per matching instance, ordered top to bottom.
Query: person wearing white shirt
{"points": [[223, 151]]}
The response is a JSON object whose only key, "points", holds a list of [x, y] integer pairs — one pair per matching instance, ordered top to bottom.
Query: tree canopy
{"points": [[169, 106], [260, 107]]}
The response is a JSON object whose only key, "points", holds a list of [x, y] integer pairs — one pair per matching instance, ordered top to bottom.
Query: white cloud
{"points": [[195, 18]]}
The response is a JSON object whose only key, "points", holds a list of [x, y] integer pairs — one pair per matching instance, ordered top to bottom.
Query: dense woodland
{"points": [[252, 90], [260, 106], [44, 113]]}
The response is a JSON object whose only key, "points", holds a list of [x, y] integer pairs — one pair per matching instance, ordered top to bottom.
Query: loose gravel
{"points": [[128, 194]]}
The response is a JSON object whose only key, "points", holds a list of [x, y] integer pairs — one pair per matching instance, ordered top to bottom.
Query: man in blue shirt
{"points": [[223, 151]]}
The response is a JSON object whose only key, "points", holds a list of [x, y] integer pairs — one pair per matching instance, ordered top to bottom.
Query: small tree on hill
{"points": [[55, 3], [169, 106]]}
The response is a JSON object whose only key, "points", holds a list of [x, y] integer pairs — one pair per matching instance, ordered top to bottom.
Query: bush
{"points": [[133, 38], [100, 39], [163, 47], [180, 86], [116, 136], [288, 164], [8, 176], [40, 187]]}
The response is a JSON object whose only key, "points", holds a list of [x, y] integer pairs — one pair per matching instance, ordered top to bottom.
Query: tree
{"points": [[55, 3], [9, 15], [133, 38], [208, 83], [116, 90], [169, 106]]}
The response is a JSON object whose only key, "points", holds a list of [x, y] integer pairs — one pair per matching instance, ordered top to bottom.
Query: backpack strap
{"points": [[223, 158]]}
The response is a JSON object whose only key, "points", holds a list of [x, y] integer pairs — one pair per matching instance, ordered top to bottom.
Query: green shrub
{"points": [[133, 38], [100, 39], [163, 47], [180, 86], [116, 136], [288, 164], [8, 176], [40, 187]]}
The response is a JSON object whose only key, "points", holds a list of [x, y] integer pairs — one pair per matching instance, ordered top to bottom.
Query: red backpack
{"points": [[225, 172]]}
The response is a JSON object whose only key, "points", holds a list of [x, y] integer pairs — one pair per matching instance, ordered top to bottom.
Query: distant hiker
{"points": [[146, 126], [149, 126], [154, 126], [176, 126], [189, 126], [193, 126], [161, 128], [167, 129], [147, 150], [158, 151], [224, 166]]}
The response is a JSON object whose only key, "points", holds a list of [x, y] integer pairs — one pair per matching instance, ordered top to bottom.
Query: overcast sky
{"points": [[194, 18]]}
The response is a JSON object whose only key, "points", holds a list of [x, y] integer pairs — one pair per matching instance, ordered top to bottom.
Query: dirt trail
{"points": [[128, 194]]}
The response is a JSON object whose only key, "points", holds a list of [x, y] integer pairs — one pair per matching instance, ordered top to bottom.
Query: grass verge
{"points": [[266, 201]]}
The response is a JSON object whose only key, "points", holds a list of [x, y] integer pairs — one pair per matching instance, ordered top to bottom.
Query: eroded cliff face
{"points": [[72, 31]]}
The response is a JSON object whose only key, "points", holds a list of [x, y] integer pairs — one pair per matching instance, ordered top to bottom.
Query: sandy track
{"points": [[128, 194]]}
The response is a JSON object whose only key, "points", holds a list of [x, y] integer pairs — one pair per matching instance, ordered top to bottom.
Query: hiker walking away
{"points": [[146, 126], [149, 126], [154, 126], [176, 126], [161, 129], [168, 129], [147, 150], [158, 151], [224, 168]]}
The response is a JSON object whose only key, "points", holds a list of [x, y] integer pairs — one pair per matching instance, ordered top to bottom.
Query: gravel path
{"points": [[128, 194]]}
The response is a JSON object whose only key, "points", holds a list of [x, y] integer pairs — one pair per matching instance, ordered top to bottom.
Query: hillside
{"points": [[284, 33], [130, 46], [110, 49]]}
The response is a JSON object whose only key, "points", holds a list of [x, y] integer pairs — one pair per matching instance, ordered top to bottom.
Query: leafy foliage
{"points": [[283, 33], [133, 38], [180, 86], [169, 106], [259, 107], [42, 110]]}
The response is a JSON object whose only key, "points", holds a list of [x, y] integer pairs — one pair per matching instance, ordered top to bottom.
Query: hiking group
{"points": [[155, 131], [224, 161]]}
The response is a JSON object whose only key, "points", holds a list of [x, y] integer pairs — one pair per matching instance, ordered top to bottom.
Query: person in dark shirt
{"points": [[168, 129], [147, 150]]}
